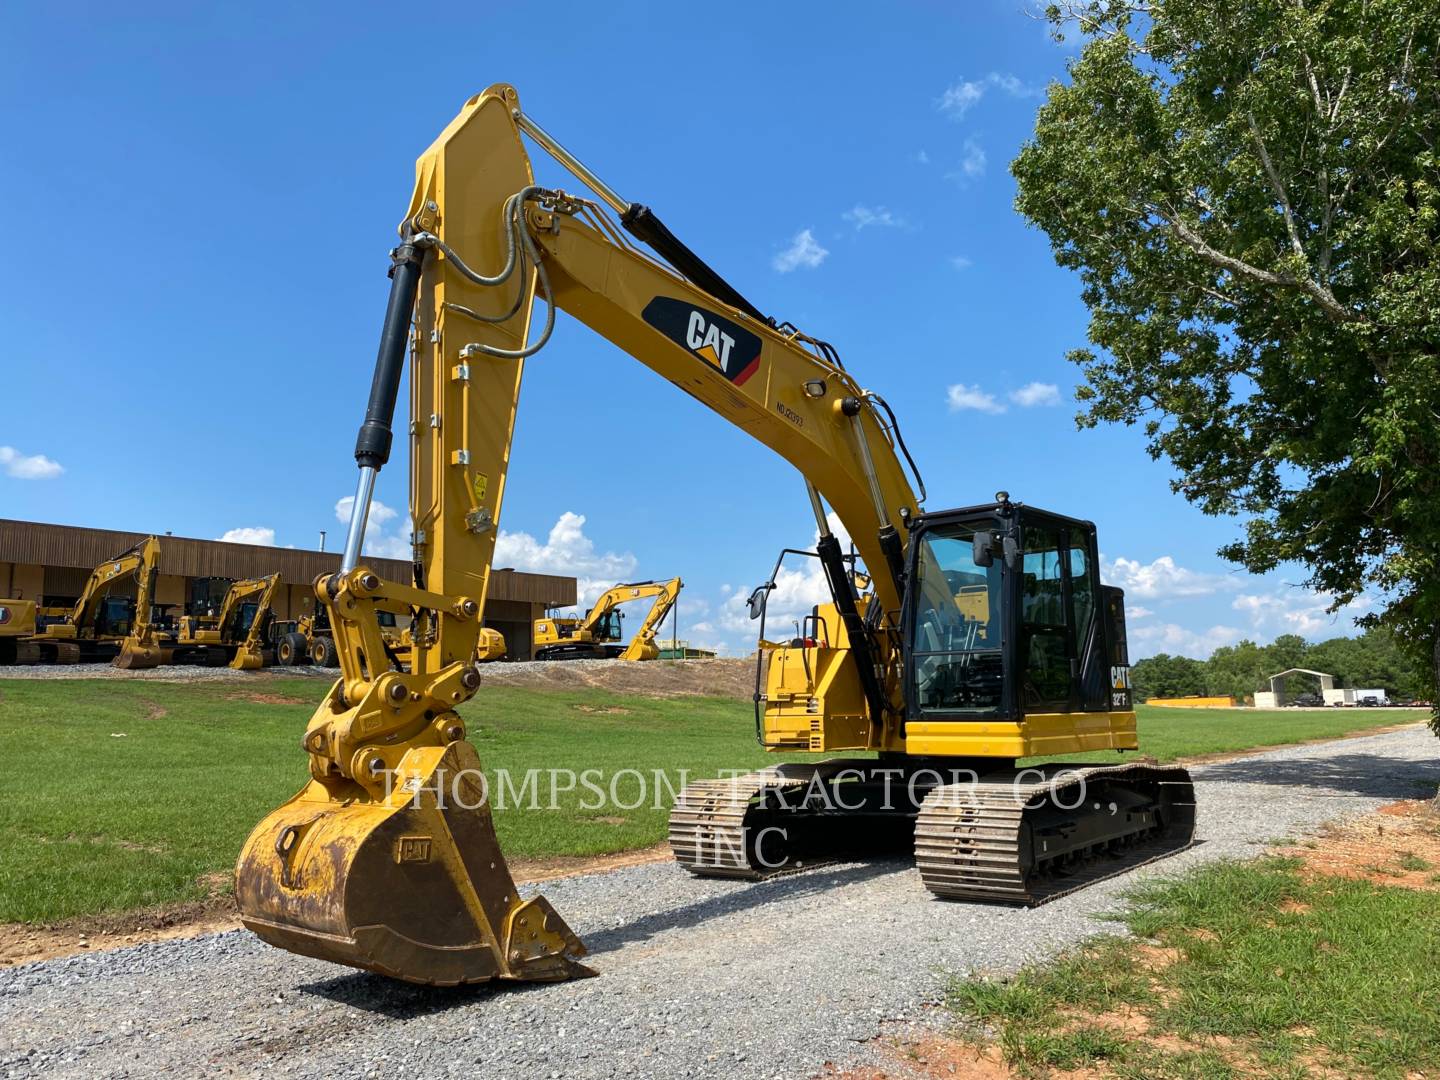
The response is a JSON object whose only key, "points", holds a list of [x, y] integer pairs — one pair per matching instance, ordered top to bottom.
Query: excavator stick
{"points": [[411, 884]]}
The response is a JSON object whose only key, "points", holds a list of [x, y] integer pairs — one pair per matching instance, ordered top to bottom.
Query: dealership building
{"points": [[51, 563]]}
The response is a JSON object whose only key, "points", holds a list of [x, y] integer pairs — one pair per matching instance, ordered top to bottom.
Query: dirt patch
{"points": [[651, 678], [267, 699], [604, 710], [154, 711], [1397, 845], [23, 943], [26, 943], [930, 1056]]}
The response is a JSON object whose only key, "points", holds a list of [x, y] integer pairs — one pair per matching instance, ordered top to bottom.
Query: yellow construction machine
{"points": [[17, 621], [103, 624], [985, 634], [238, 635], [598, 635]]}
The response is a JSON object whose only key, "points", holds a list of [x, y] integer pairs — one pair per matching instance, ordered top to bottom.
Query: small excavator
{"points": [[101, 625], [238, 635], [597, 636], [984, 636]]}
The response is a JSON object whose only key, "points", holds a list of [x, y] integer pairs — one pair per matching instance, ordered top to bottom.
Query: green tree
{"points": [[1250, 194], [1240, 669], [1164, 675]]}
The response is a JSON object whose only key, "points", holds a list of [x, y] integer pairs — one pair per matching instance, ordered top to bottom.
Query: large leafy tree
{"points": [[1250, 193]]}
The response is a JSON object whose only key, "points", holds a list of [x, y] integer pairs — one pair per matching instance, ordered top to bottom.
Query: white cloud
{"points": [[959, 98], [922, 157], [973, 163], [863, 217], [804, 250], [960, 262], [1036, 393], [960, 397], [28, 466], [379, 512], [250, 534], [378, 542], [569, 552], [1160, 580], [1136, 611], [1298, 611], [1171, 638]]}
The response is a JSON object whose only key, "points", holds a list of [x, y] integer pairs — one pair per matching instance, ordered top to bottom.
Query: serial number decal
{"points": [[789, 414]]}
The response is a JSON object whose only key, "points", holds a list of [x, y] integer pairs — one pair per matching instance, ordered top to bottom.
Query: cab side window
{"points": [[1045, 623]]}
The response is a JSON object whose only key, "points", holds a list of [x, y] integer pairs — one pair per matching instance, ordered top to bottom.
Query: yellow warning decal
{"points": [[482, 485]]}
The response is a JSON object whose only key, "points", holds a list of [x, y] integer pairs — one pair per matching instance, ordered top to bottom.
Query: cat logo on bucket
{"points": [[724, 345], [412, 849]]}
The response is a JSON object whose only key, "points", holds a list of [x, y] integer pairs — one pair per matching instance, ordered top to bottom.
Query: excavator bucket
{"points": [[135, 655], [247, 659], [411, 885]]}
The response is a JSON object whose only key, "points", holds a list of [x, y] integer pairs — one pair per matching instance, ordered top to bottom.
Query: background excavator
{"points": [[17, 621], [103, 625], [239, 633], [598, 635], [985, 635]]}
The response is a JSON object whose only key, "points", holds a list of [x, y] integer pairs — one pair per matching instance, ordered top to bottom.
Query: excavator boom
{"points": [[979, 636]]}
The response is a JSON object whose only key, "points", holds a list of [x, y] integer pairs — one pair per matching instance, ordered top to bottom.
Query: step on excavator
{"points": [[103, 625], [598, 635], [984, 636]]}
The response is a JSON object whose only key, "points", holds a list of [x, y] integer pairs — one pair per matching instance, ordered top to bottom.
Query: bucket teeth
{"points": [[412, 885]]}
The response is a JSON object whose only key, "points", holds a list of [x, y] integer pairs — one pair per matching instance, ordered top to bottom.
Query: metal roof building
{"points": [[50, 563]]}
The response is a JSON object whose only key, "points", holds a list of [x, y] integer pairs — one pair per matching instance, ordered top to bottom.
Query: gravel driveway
{"points": [[698, 978]]}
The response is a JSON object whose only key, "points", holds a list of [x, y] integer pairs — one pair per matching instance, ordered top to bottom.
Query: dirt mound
{"points": [[651, 678]]}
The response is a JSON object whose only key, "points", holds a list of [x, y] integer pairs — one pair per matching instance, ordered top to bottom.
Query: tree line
{"points": [[1374, 660]]}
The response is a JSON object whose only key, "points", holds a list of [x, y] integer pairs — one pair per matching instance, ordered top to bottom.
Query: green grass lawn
{"points": [[1171, 733], [118, 794], [1237, 969]]}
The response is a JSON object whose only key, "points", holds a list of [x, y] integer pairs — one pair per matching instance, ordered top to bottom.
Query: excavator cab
{"points": [[1006, 617], [611, 627]]}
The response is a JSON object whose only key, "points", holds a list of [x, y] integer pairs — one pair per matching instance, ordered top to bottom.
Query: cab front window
{"points": [[956, 633]]}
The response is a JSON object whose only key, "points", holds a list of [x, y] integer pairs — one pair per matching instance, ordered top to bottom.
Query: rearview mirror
{"points": [[982, 550], [1012, 552], [756, 603]]}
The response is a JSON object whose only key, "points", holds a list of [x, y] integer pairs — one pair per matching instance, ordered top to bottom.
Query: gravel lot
{"points": [[698, 978]]}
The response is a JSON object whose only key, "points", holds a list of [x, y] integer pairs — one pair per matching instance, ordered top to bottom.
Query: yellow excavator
{"points": [[17, 621], [102, 625], [238, 635], [985, 635], [597, 636]]}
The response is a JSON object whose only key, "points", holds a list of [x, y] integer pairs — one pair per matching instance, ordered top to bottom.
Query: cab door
{"points": [[1062, 660]]}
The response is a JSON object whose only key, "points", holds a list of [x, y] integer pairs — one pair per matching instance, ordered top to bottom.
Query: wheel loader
{"points": [[598, 635], [953, 644]]}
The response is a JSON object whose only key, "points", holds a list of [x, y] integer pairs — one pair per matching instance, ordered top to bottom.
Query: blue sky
{"points": [[201, 202]]}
